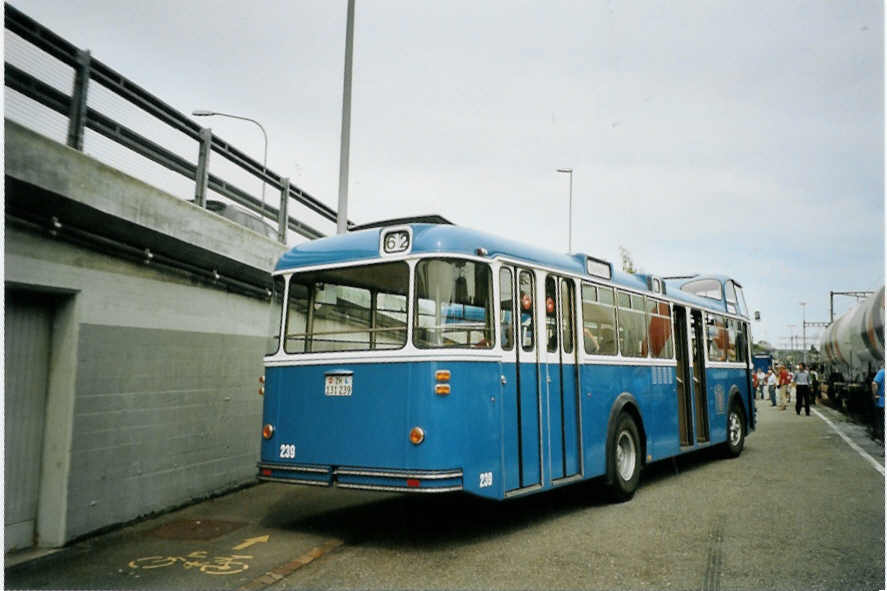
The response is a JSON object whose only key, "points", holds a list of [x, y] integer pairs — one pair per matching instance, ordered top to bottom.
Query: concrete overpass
{"points": [[135, 327]]}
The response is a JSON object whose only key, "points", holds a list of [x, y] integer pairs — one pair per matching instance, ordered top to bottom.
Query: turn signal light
{"points": [[442, 375], [261, 379], [442, 389], [261, 390], [268, 431], [417, 435]]}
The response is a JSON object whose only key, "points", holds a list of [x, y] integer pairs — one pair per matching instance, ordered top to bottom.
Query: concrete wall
{"points": [[152, 391]]}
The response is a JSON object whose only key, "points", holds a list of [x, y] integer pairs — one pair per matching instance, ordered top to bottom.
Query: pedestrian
{"points": [[784, 381], [761, 386], [771, 386], [802, 390], [878, 394]]}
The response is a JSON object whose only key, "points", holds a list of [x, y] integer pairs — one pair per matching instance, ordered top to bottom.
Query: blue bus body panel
{"points": [[427, 238], [721, 382], [656, 394], [553, 412], [571, 420], [370, 428], [474, 428], [531, 436], [521, 439], [510, 444]]}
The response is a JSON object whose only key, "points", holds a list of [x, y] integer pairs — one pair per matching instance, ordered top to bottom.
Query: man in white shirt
{"points": [[802, 390]]}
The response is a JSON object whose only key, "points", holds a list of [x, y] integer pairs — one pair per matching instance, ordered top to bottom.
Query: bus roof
{"points": [[431, 238]]}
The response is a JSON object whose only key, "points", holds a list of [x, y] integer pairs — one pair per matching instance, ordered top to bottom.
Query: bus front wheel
{"points": [[735, 430], [624, 463]]}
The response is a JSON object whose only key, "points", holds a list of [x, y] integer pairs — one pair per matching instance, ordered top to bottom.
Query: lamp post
{"points": [[205, 113], [345, 144], [570, 231], [804, 330]]}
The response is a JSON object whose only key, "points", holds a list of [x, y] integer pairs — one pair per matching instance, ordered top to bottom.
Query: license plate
{"points": [[338, 385]]}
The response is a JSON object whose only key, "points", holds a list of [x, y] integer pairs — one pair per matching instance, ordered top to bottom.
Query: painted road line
{"points": [[878, 466], [249, 542], [284, 570]]}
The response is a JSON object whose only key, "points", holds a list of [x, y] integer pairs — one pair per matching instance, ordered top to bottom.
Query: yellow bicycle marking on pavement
{"points": [[216, 565]]}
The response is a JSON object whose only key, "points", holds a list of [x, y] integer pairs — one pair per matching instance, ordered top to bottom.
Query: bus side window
{"points": [[731, 297], [527, 308], [506, 309], [551, 314], [276, 315], [567, 315], [598, 320], [632, 325], [659, 329], [296, 337], [717, 338], [731, 339], [742, 343], [738, 346]]}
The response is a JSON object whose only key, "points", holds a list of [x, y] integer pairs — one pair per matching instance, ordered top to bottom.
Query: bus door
{"points": [[746, 351], [561, 377], [520, 378], [700, 397], [685, 407]]}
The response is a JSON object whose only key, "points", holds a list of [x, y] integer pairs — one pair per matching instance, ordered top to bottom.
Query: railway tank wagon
{"points": [[853, 349]]}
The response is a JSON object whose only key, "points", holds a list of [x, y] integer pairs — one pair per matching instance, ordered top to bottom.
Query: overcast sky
{"points": [[744, 138]]}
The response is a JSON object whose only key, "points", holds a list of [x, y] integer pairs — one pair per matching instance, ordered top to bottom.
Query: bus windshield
{"points": [[453, 304], [348, 309]]}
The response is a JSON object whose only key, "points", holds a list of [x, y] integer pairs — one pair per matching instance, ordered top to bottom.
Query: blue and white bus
{"points": [[428, 357]]}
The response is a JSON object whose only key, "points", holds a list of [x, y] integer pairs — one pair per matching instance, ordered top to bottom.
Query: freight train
{"points": [[853, 350]]}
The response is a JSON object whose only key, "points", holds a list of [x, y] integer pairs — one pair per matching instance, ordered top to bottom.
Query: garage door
{"points": [[28, 328]]}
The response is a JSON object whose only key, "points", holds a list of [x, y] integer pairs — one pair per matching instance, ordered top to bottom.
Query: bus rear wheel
{"points": [[735, 430], [624, 463]]}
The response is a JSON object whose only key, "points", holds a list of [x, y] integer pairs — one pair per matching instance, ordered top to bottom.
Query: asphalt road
{"points": [[799, 509]]}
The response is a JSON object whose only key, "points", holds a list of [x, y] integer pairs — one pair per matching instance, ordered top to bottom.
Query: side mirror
{"points": [[757, 314]]}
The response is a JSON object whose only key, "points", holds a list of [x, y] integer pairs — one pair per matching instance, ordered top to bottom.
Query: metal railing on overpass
{"points": [[80, 117]]}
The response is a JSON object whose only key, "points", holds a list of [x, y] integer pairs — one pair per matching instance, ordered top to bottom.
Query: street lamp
{"points": [[205, 113], [345, 144], [570, 232]]}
